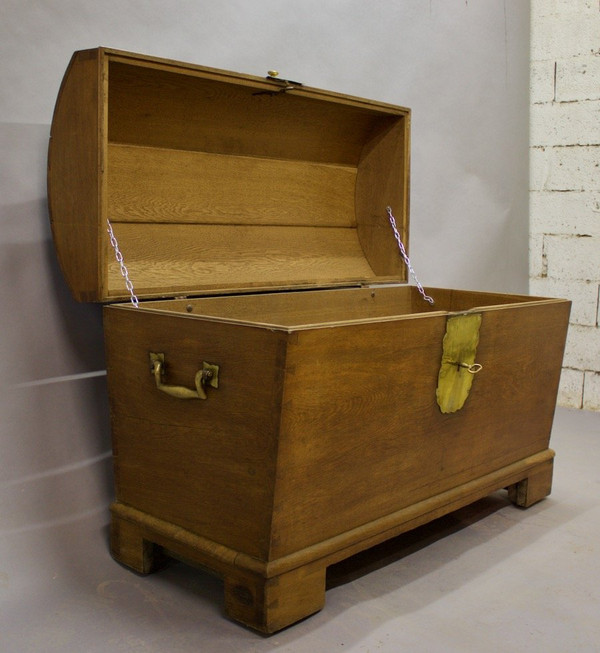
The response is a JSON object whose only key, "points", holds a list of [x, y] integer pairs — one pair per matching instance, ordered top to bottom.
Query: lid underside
{"points": [[219, 182]]}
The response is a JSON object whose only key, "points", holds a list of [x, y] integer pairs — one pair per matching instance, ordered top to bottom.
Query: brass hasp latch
{"points": [[285, 85]]}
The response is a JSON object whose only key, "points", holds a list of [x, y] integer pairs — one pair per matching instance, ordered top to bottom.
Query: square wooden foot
{"points": [[532, 489], [128, 546], [270, 604]]}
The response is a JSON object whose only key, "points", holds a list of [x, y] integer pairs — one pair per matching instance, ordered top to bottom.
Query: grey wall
{"points": [[461, 66]]}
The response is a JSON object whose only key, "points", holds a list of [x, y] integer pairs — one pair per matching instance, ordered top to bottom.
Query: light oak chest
{"points": [[278, 401]]}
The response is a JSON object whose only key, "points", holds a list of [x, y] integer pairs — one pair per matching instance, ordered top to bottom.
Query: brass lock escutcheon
{"points": [[458, 366], [207, 376]]}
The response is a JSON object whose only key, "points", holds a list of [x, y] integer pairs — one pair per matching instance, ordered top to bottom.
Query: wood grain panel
{"points": [[168, 108], [74, 177], [382, 181], [162, 185], [169, 259], [326, 306], [296, 309]]}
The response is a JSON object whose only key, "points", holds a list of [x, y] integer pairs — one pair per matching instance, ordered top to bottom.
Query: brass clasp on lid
{"points": [[286, 84]]}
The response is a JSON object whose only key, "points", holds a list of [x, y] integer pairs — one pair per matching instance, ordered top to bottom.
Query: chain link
{"points": [[119, 257], [420, 288]]}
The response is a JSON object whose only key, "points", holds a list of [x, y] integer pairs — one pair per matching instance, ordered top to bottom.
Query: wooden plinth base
{"points": [[270, 595]]}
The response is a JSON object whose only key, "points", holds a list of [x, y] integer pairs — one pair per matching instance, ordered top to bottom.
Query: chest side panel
{"points": [[205, 465]]}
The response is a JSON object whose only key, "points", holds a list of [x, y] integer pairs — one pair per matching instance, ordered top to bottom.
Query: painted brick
{"points": [[552, 7], [561, 36], [579, 78], [541, 81], [565, 123], [565, 168], [574, 213], [573, 257], [537, 259], [584, 296], [583, 347], [570, 390], [591, 391]]}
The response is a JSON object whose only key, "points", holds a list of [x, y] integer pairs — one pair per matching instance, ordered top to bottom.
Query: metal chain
{"points": [[119, 257], [420, 288]]}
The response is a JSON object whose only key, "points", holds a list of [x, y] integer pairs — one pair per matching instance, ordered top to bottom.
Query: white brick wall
{"points": [[578, 78], [565, 181]]}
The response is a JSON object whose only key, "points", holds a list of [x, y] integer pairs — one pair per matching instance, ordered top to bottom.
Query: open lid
{"points": [[220, 182]]}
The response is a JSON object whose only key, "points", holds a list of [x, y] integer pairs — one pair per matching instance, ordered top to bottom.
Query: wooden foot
{"points": [[532, 489], [128, 546], [270, 604]]}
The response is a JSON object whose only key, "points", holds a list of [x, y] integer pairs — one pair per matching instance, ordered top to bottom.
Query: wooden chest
{"points": [[279, 400]]}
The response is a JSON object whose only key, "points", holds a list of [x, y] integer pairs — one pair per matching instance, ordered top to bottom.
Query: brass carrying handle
{"points": [[208, 375]]}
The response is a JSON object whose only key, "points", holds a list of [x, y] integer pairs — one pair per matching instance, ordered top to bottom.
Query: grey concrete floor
{"points": [[490, 577]]}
